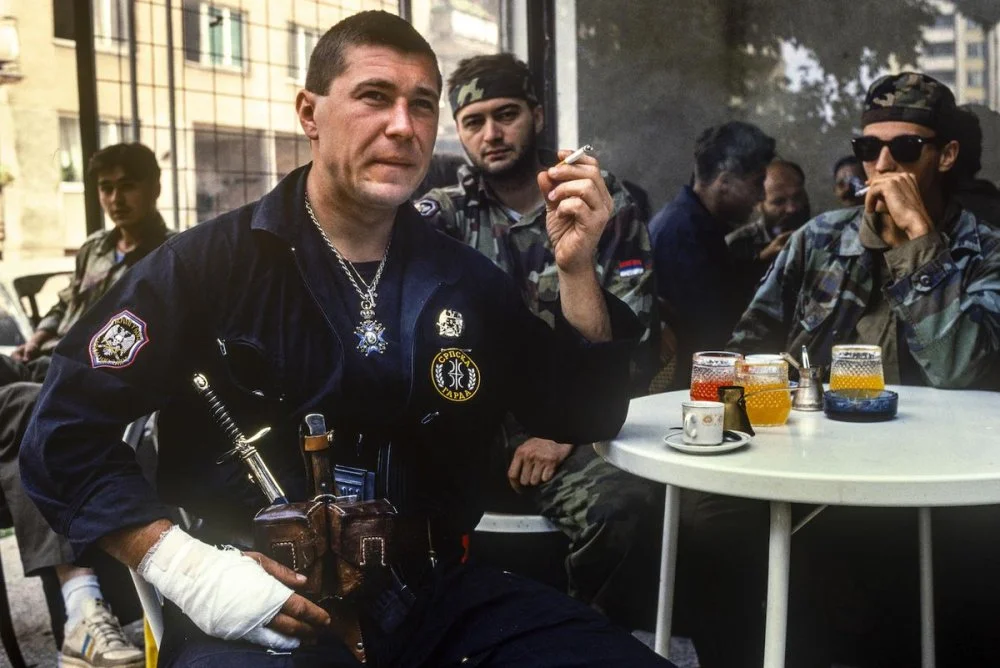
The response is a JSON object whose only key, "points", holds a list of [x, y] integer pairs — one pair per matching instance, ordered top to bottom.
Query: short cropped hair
{"points": [[370, 28], [736, 147], [136, 160], [846, 161], [794, 166]]}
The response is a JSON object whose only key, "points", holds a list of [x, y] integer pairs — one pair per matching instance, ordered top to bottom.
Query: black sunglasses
{"points": [[904, 148]]}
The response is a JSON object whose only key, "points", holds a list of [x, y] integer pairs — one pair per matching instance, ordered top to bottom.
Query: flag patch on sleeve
{"points": [[627, 268]]}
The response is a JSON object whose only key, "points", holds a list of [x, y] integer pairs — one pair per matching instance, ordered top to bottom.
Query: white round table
{"points": [[943, 449]]}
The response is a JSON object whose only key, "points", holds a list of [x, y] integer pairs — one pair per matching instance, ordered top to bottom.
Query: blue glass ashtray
{"points": [[860, 405]]}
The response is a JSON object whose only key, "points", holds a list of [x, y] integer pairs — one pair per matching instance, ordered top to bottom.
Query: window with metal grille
{"points": [[110, 26], [214, 35], [301, 42], [71, 167]]}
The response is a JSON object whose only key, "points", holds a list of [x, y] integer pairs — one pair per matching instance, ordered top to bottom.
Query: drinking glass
{"points": [[857, 367], [710, 370], [765, 372]]}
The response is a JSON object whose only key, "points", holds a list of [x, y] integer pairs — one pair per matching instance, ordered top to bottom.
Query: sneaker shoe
{"points": [[99, 642]]}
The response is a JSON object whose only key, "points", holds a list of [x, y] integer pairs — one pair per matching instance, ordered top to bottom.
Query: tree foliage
{"points": [[652, 74]]}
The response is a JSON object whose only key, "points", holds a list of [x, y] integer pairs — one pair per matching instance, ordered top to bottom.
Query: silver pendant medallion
{"points": [[371, 337]]}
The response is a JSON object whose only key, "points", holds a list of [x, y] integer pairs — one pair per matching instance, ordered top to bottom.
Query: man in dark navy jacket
{"points": [[697, 281], [331, 295]]}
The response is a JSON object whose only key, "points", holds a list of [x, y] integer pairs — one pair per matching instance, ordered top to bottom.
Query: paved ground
{"points": [[31, 617]]}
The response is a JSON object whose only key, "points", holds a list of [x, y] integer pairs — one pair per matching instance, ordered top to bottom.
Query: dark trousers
{"points": [[614, 521], [39, 545], [854, 584], [466, 616]]}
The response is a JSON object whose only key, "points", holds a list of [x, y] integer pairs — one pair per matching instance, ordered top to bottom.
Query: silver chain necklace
{"points": [[370, 332]]}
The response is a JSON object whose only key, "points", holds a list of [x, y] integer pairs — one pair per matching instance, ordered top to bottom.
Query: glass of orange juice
{"points": [[857, 367], [710, 370], [758, 373]]}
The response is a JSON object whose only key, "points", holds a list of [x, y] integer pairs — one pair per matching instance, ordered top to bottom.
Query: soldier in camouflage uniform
{"points": [[128, 180], [498, 208], [784, 209], [911, 270], [916, 274]]}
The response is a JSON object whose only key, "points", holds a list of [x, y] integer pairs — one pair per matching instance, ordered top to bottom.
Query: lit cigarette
{"points": [[577, 154], [861, 191]]}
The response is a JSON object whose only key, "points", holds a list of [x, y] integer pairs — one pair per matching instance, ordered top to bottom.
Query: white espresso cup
{"points": [[703, 422]]}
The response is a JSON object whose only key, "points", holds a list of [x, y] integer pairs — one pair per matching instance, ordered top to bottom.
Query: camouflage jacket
{"points": [[468, 211], [747, 241], [96, 271], [948, 308]]}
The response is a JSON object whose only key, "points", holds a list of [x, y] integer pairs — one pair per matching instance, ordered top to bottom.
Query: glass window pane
{"points": [[62, 11], [191, 20], [457, 30], [236, 35], [798, 69], [70, 149]]}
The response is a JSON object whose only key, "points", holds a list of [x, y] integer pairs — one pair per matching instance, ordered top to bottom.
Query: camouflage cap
{"points": [[912, 97]]}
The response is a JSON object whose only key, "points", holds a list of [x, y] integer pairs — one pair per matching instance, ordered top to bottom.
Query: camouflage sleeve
{"points": [[438, 208], [626, 266], [950, 311], [53, 318], [764, 326]]}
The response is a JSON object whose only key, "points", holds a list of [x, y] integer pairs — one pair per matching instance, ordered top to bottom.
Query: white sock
{"points": [[75, 591]]}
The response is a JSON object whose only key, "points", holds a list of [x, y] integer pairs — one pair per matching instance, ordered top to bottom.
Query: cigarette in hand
{"points": [[577, 154], [861, 191]]}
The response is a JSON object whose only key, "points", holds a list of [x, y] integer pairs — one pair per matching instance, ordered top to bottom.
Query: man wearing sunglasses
{"points": [[911, 271], [916, 273]]}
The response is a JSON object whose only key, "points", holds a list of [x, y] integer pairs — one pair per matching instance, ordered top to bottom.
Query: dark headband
{"points": [[491, 85]]}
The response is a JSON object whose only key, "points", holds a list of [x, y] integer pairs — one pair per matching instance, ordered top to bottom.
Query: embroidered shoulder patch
{"points": [[427, 207], [119, 341], [454, 375]]}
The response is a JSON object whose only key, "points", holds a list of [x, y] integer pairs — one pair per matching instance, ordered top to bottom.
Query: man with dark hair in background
{"points": [[848, 178], [128, 182], [498, 208], [784, 209], [694, 270], [331, 295]]}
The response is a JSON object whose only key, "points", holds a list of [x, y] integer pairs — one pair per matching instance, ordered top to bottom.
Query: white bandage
{"points": [[227, 595]]}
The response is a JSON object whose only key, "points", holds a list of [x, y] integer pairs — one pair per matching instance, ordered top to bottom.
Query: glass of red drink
{"points": [[710, 370]]}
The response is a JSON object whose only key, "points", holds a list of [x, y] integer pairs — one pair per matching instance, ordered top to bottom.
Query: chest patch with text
{"points": [[455, 375]]}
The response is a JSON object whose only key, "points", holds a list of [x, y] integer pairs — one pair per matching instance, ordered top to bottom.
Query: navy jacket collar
{"points": [[430, 256]]}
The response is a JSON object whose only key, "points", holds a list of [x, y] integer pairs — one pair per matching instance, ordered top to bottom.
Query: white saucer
{"points": [[733, 441]]}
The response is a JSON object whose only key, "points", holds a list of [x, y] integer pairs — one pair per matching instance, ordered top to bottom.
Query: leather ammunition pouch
{"points": [[344, 548]]}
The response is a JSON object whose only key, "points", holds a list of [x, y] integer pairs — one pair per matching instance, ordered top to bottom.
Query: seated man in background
{"points": [[848, 178], [128, 180], [498, 208], [784, 209], [913, 272], [696, 277]]}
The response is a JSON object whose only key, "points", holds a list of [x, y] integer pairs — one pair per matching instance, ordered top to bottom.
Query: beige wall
{"points": [[43, 215]]}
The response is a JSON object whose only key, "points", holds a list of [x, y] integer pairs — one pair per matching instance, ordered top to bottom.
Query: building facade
{"points": [[228, 105]]}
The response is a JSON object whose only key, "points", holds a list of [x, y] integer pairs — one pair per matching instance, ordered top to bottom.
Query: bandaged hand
{"points": [[226, 594]]}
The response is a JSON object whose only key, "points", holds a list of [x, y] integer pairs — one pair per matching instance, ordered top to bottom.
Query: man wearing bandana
{"points": [[498, 208], [331, 295]]}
